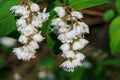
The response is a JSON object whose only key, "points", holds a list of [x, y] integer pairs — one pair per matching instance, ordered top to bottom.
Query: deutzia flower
{"points": [[34, 7], [20, 11], [60, 11], [77, 14], [44, 15], [21, 22], [36, 22], [56, 22], [29, 24], [84, 26], [28, 30], [70, 31], [71, 35], [37, 37], [63, 38], [23, 39], [79, 44], [34, 45], [76, 45], [65, 47], [23, 54], [69, 54], [80, 56]]}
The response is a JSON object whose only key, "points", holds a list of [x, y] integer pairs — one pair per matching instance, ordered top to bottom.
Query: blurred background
{"points": [[102, 53]]}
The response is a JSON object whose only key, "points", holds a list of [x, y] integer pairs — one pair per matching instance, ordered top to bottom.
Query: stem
{"points": [[24, 1], [69, 12], [31, 17]]}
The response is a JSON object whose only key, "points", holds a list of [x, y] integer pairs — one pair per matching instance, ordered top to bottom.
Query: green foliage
{"points": [[38, 1], [2, 2], [117, 3], [82, 4], [108, 15], [7, 21], [115, 35], [51, 38], [1, 62], [48, 62], [112, 62], [75, 76]]}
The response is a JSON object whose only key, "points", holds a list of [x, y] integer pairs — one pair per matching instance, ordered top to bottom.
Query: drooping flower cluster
{"points": [[29, 23], [70, 30]]}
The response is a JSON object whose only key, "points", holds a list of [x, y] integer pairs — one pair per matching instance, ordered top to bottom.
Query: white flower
{"points": [[34, 7], [20, 11], [60, 11], [77, 14], [44, 16], [21, 22], [36, 22], [58, 22], [62, 24], [84, 26], [80, 28], [55, 29], [77, 29], [28, 30], [63, 30], [71, 34], [38, 37], [63, 38], [23, 39], [83, 42], [34, 44], [79, 44], [76, 45], [65, 47], [28, 49], [68, 54], [24, 55], [80, 56], [76, 62], [70, 65], [67, 66]]}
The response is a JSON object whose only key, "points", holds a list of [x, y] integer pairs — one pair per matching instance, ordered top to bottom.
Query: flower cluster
{"points": [[29, 23], [70, 30]]}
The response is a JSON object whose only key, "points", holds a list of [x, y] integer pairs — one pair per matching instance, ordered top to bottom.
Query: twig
{"points": [[91, 13]]}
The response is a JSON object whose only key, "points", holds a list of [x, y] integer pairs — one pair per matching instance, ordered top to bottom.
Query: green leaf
{"points": [[2, 2], [82, 4], [117, 4], [108, 15], [7, 21], [47, 24], [114, 33], [51, 38], [48, 62], [112, 62], [74, 75]]}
